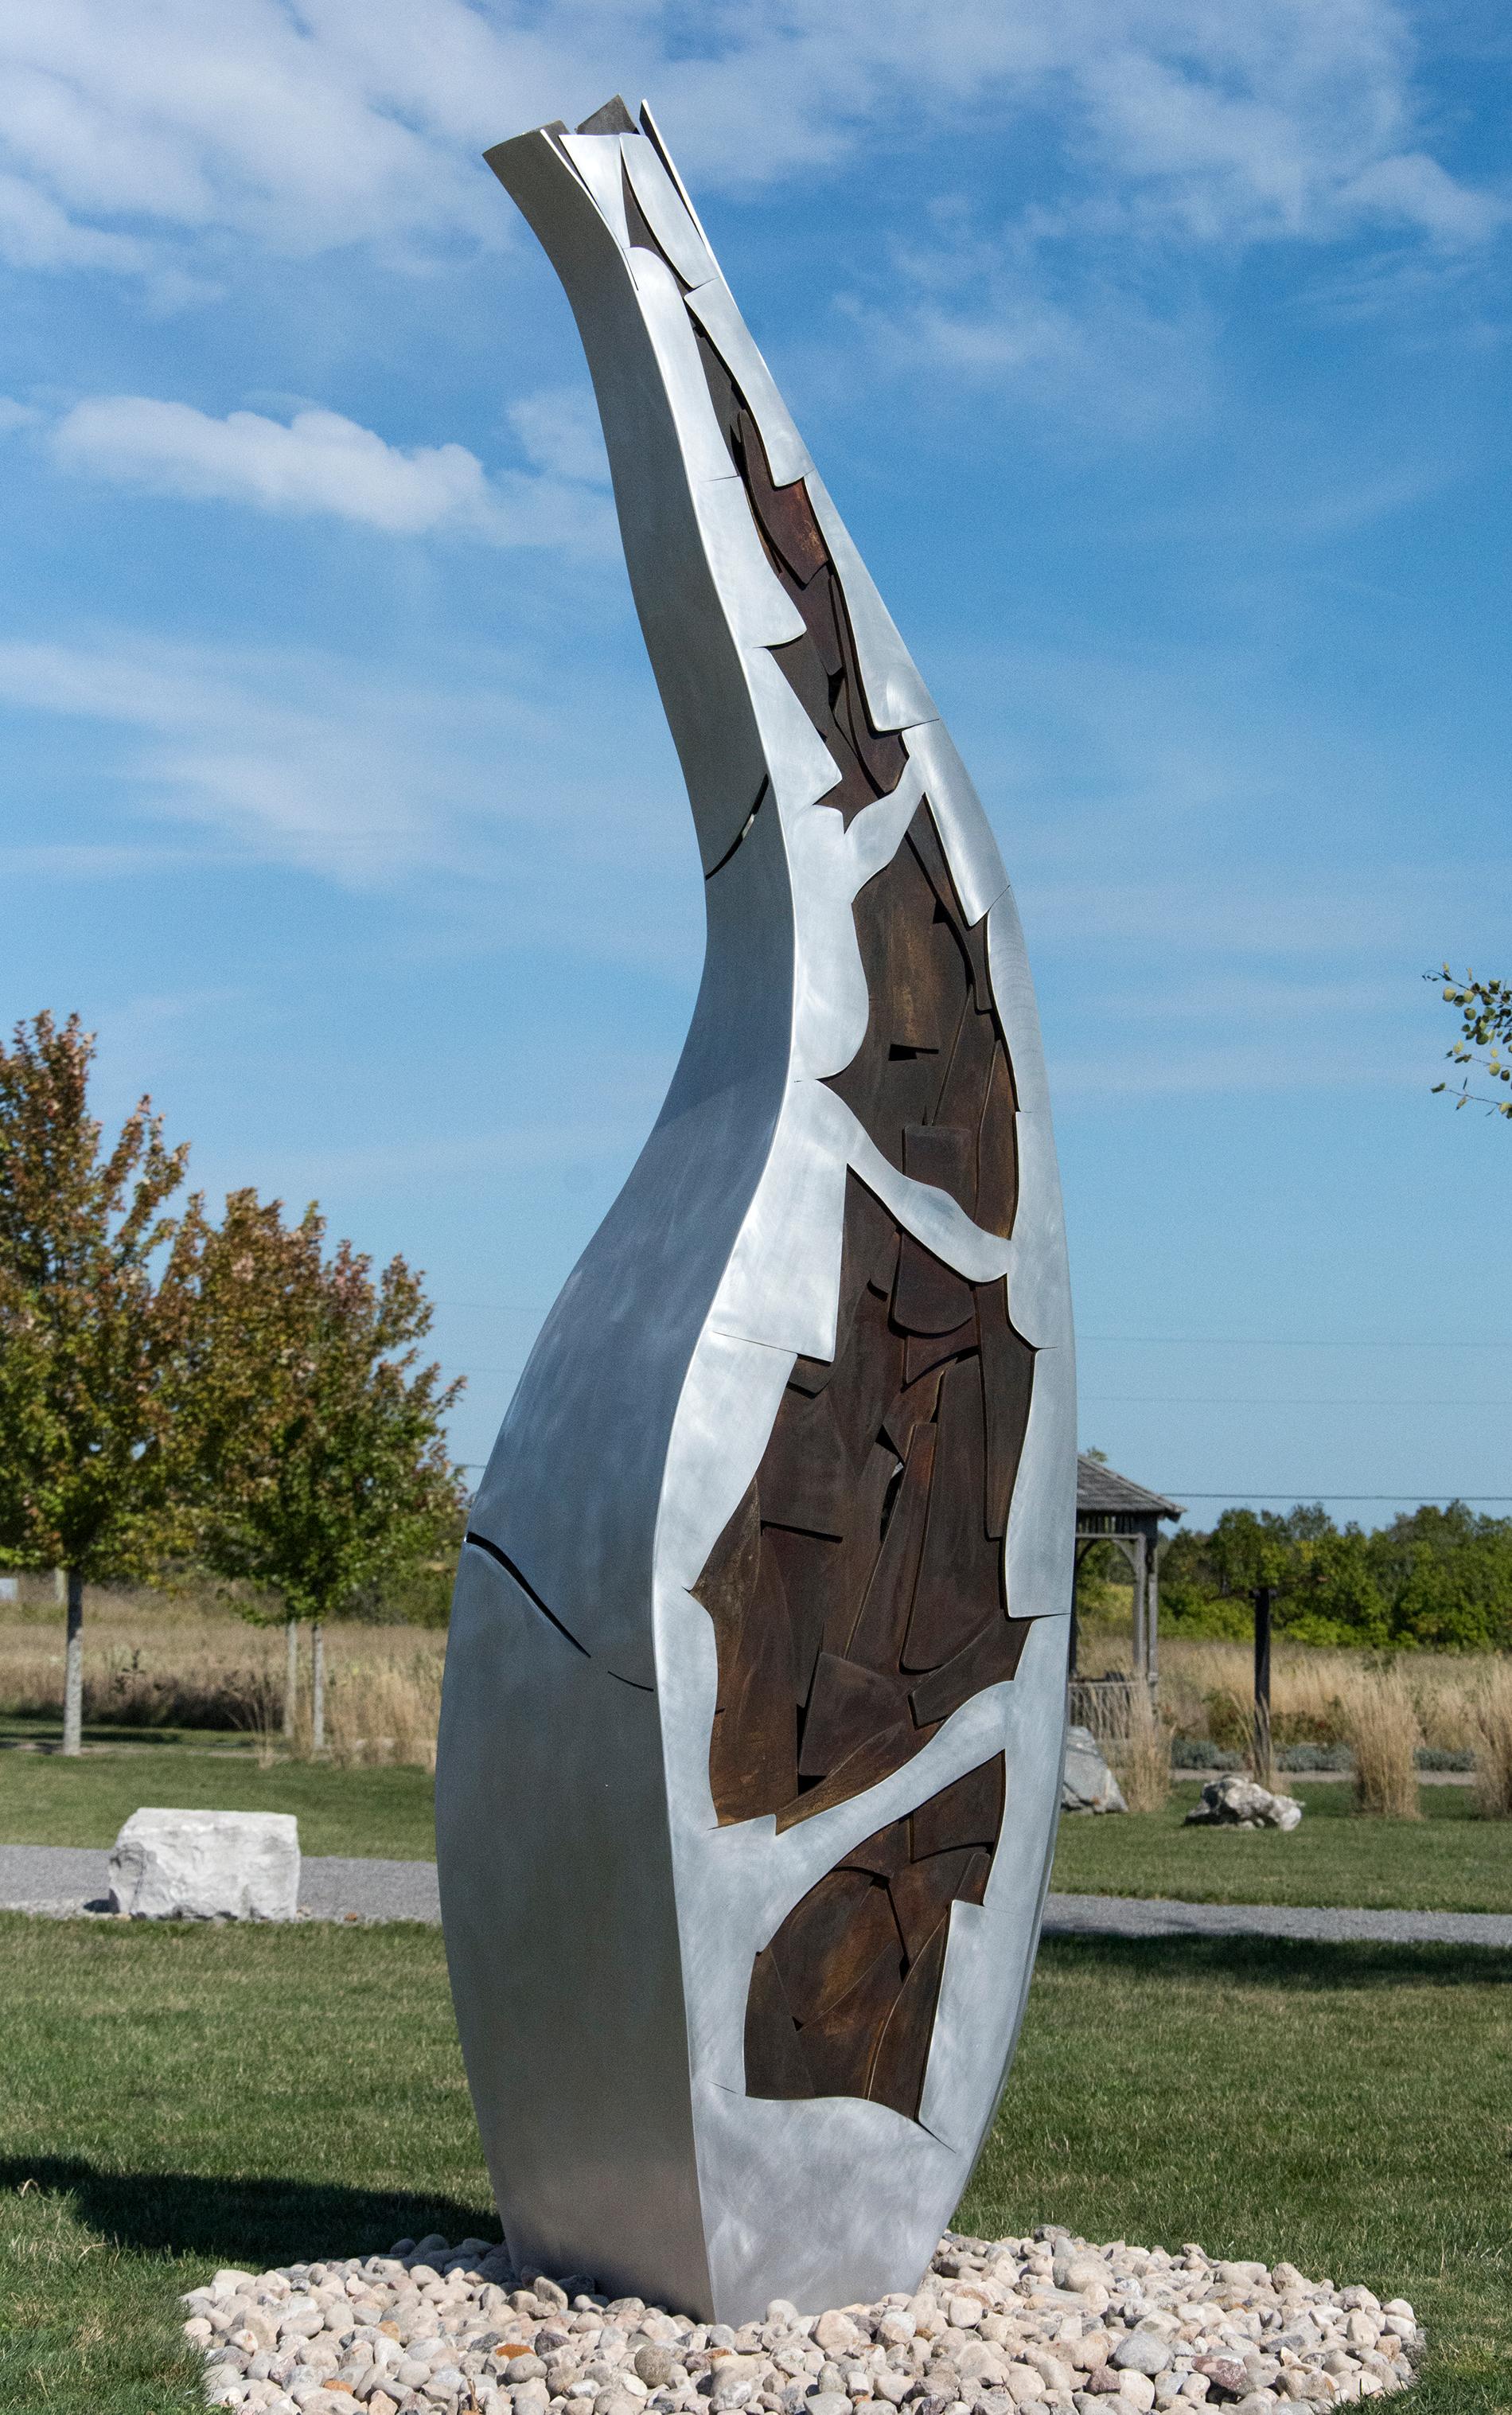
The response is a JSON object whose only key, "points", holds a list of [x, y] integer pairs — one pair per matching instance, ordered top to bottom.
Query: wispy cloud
{"points": [[352, 120], [558, 431], [322, 463], [288, 760], [372, 780]]}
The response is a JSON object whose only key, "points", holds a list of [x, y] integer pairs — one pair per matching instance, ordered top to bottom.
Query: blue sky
{"points": [[1157, 351]]}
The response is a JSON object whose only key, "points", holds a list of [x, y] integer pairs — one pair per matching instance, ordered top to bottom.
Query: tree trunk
{"points": [[74, 1674], [291, 1683], [317, 1707]]}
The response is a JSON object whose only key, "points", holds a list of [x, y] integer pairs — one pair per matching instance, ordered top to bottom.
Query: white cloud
{"points": [[349, 120], [559, 429], [322, 463], [291, 767], [518, 783]]}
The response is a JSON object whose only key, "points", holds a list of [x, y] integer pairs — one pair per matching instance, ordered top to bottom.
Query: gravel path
{"points": [[67, 1878], [70, 1878], [1122, 1915]]}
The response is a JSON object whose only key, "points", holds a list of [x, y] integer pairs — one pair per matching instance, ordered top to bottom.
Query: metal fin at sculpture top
{"points": [[751, 1740]]}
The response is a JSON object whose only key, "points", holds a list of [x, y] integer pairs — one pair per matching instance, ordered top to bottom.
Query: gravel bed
{"points": [[1045, 2323]]}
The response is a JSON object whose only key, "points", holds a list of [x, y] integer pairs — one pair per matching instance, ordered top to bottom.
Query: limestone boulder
{"points": [[1088, 1784], [1237, 1802], [206, 1865]]}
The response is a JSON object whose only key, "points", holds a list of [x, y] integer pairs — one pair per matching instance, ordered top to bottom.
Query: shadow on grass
{"points": [[45, 1738], [1301, 1963], [252, 2223]]}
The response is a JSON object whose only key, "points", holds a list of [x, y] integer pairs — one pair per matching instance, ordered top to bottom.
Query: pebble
{"points": [[1052, 2324]]}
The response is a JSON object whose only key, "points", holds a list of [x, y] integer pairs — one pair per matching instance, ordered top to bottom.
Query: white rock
{"points": [[1088, 1784], [1237, 1802], [206, 1865], [835, 2332], [1141, 2352]]}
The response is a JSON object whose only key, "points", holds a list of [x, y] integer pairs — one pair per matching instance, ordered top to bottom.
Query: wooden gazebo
{"points": [[1113, 1509]]}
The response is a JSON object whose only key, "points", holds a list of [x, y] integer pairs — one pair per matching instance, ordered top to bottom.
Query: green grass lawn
{"points": [[45, 1800], [1448, 1861], [181, 2098]]}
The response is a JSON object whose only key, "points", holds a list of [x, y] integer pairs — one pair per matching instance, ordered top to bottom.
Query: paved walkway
{"points": [[67, 1878]]}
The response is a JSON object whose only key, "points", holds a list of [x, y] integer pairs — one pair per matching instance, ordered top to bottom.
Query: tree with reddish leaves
{"points": [[91, 1329], [175, 1390], [312, 1439]]}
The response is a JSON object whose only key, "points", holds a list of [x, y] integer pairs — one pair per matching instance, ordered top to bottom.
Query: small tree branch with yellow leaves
{"points": [[1485, 1042]]}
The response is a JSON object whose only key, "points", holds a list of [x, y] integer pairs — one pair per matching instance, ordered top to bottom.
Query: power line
{"points": [[489, 1307], [1159, 1341], [1280, 1341], [1197, 1400], [1237, 1401], [1299, 1499]]}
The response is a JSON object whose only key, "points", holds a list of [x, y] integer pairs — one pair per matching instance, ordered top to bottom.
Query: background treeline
{"points": [[1436, 1579]]}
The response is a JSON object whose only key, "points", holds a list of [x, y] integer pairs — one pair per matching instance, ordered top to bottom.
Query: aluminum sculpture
{"points": [[755, 1696]]}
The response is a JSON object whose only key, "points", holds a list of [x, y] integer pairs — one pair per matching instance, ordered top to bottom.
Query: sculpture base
{"points": [[1048, 2322]]}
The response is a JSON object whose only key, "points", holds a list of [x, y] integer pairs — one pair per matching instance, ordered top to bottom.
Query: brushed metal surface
{"points": [[667, 215], [713, 307], [896, 695], [602, 1923]]}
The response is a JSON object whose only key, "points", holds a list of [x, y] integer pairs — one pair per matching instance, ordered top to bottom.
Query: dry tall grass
{"points": [[154, 1660], [1207, 1688], [1490, 1704], [384, 1707], [1382, 1729], [1141, 1754]]}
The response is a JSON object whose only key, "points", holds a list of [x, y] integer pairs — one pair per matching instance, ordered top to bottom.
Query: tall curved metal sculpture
{"points": [[751, 1741]]}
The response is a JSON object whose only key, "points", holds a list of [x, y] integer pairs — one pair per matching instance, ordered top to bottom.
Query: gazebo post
{"points": [[1111, 1508], [1138, 1553], [1152, 1603], [1264, 1765]]}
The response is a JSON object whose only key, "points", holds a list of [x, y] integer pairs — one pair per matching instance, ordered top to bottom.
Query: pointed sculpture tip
{"points": [[613, 118]]}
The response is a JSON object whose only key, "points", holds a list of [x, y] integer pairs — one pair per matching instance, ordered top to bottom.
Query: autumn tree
{"points": [[91, 1325], [176, 1388], [337, 1474]]}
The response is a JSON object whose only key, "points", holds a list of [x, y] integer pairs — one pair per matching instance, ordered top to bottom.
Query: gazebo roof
{"points": [[1101, 1492]]}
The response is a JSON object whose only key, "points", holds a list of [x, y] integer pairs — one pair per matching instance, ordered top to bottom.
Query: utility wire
{"points": [[1161, 1341], [1281, 1341], [1197, 1400], [1235, 1401], [1299, 1500]]}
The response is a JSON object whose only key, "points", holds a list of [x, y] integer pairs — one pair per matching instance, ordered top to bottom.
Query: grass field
{"points": [[45, 1800], [1449, 1861], [178, 2099]]}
